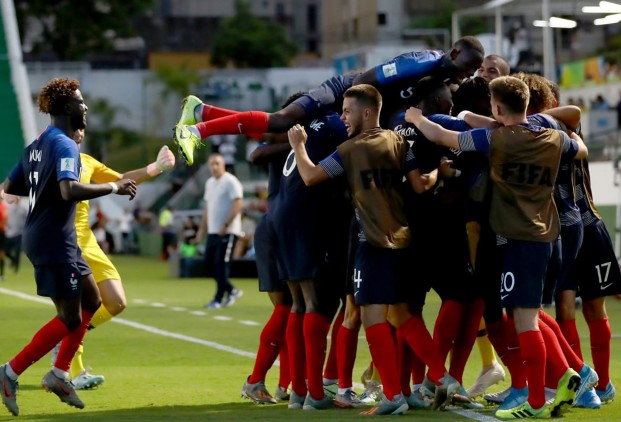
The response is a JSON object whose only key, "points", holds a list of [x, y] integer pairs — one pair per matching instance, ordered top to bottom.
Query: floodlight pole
{"points": [[549, 54]]}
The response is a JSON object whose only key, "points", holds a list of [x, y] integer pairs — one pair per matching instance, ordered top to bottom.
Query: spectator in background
{"points": [[600, 103], [227, 148], [4, 217], [17, 219], [222, 222], [125, 227], [99, 230], [168, 232], [187, 249]]}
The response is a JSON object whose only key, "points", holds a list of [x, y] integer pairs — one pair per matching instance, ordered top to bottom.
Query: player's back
{"points": [[49, 233]]}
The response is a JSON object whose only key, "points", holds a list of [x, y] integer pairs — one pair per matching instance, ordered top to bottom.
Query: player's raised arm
{"points": [[570, 115], [432, 131], [165, 161], [310, 173]]}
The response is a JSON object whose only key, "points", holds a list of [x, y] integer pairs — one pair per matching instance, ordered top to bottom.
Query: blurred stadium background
{"points": [[136, 60]]}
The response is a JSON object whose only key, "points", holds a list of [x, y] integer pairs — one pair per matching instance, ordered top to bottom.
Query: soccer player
{"points": [[493, 66], [395, 79], [524, 161], [374, 162], [48, 174], [106, 276]]}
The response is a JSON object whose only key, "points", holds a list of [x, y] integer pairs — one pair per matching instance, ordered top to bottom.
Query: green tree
{"points": [[74, 28], [248, 41]]}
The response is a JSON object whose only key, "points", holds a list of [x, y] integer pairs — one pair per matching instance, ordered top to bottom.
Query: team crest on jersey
{"points": [[316, 125], [67, 164]]}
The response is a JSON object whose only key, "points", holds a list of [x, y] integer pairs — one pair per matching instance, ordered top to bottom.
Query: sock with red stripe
{"points": [[245, 122], [447, 326], [316, 327], [570, 331], [415, 333], [466, 337], [43, 341], [71, 342], [270, 342], [296, 348], [346, 348], [600, 350], [534, 354], [384, 355], [573, 360], [556, 364], [331, 370]]}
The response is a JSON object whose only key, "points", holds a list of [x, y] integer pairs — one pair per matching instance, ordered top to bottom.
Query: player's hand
{"points": [[413, 115], [297, 136], [165, 159], [446, 171], [126, 187]]}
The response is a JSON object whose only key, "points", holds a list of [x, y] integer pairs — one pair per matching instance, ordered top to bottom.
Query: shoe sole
{"points": [[89, 385], [572, 385], [477, 389], [260, 402], [72, 404]]}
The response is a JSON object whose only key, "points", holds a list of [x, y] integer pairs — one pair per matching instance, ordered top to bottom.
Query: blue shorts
{"points": [[328, 96], [571, 242], [265, 245], [300, 249], [596, 271], [524, 273], [379, 278], [61, 281]]}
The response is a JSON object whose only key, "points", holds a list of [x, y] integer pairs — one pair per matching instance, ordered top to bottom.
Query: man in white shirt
{"points": [[222, 221]]}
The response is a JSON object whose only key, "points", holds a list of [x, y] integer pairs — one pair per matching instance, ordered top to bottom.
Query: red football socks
{"points": [[211, 112], [245, 122], [447, 326], [316, 327], [570, 331], [466, 337], [419, 339], [43, 341], [71, 342], [270, 342], [295, 345], [346, 348], [600, 350], [534, 354], [384, 355], [515, 356], [404, 358], [573, 360], [556, 364], [331, 370], [285, 376]]}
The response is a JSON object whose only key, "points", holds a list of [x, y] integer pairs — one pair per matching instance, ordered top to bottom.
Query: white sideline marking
{"points": [[139, 301], [158, 305], [178, 308], [199, 313], [222, 318], [248, 322], [154, 330]]}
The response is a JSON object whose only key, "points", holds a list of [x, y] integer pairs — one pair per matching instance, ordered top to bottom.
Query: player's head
{"points": [[463, 59], [493, 66], [556, 92], [472, 95], [434, 96], [541, 96], [509, 97], [61, 98], [292, 98], [361, 108], [216, 165]]}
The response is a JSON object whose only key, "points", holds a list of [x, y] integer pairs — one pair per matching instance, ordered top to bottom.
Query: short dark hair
{"points": [[471, 44], [503, 67], [428, 86], [556, 90], [471, 92], [511, 92], [56, 94], [365, 94], [292, 98]]}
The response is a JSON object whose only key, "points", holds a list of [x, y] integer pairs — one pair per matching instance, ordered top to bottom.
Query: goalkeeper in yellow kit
{"points": [[107, 278]]}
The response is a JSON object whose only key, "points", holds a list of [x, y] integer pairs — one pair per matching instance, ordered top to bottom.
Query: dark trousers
{"points": [[14, 250], [218, 252]]}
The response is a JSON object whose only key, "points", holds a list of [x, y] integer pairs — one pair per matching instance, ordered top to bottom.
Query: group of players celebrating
{"points": [[376, 195], [380, 195]]}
